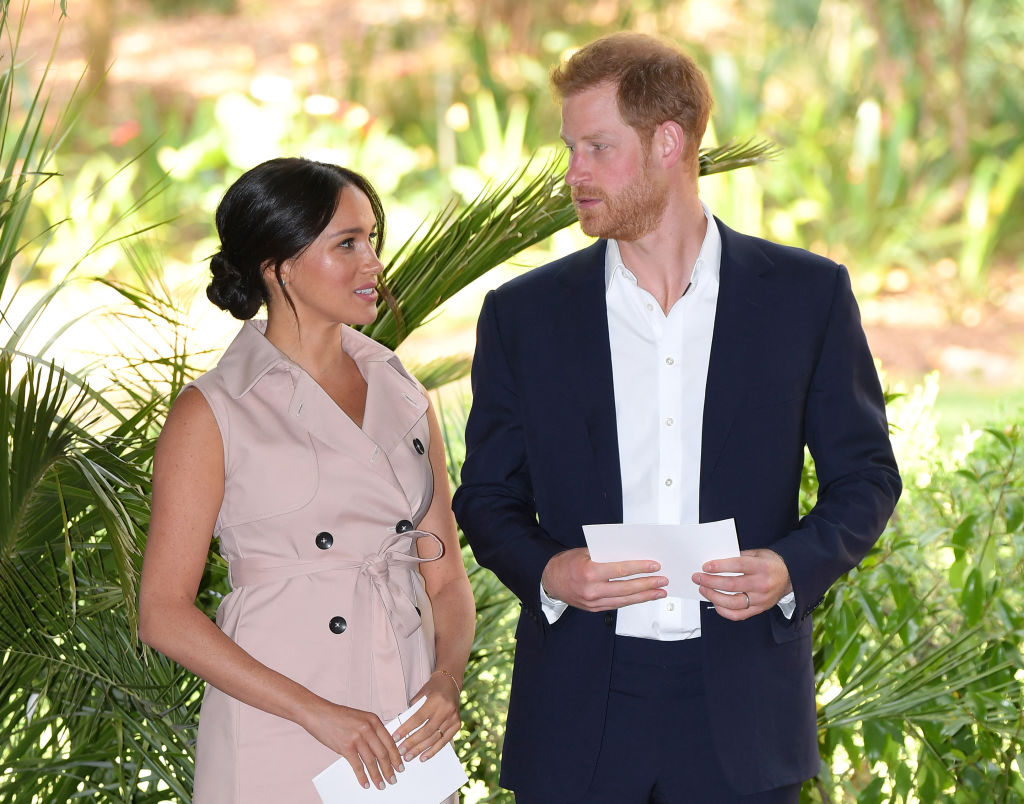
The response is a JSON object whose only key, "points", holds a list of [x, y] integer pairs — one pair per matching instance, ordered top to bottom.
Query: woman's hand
{"points": [[439, 717], [361, 738]]}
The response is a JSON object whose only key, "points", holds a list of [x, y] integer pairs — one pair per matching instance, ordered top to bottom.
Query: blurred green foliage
{"points": [[900, 125]]}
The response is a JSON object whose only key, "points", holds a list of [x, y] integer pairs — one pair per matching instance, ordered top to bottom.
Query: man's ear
{"points": [[668, 144]]}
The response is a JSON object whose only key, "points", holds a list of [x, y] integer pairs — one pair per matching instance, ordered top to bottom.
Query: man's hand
{"points": [[573, 578], [762, 582]]}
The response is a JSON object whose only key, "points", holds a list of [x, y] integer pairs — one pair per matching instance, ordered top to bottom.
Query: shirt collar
{"points": [[708, 264], [251, 356]]}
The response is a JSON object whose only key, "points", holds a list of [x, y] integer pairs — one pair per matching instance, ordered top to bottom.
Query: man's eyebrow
{"points": [[594, 135]]}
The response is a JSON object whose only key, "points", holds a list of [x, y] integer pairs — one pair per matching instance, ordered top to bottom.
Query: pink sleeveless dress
{"points": [[318, 529]]}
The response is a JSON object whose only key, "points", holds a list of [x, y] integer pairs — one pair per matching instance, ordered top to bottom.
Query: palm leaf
{"points": [[459, 246], [82, 715]]}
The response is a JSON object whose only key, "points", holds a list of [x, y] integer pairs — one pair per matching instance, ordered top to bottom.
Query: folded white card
{"points": [[680, 549], [427, 782]]}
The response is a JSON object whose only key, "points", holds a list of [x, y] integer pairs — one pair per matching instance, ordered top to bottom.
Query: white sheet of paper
{"points": [[680, 549], [420, 783]]}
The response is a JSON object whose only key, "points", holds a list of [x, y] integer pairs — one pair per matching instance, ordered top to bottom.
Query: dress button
{"points": [[418, 446], [403, 525], [324, 540], [337, 625]]}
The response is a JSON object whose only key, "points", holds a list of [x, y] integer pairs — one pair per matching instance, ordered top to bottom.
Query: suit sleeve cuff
{"points": [[787, 604], [553, 609]]}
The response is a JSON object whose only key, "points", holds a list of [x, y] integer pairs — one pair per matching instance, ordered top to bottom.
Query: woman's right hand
{"points": [[361, 738]]}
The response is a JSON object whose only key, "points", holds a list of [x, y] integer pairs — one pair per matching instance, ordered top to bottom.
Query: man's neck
{"points": [[662, 261]]}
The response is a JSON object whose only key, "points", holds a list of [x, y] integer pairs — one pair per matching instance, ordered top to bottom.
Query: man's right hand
{"points": [[573, 578]]}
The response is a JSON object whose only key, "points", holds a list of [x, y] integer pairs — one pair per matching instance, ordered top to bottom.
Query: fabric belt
{"points": [[397, 606]]}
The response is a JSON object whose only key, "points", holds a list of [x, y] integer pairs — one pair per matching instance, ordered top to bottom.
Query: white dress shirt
{"points": [[659, 373]]}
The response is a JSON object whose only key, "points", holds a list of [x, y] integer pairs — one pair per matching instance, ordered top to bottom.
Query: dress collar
{"points": [[250, 356]]}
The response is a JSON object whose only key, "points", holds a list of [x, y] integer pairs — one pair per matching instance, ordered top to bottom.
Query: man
{"points": [[672, 372]]}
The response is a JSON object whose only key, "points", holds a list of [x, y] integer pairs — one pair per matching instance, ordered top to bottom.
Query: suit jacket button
{"points": [[418, 446], [403, 525], [324, 540], [609, 618], [337, 625]]}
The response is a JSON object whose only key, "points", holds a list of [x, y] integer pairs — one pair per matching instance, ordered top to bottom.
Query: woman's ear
{"points": [[271, 276]]}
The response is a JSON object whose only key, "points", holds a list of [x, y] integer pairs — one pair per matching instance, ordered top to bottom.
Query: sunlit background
{"points": [[900, 125], [901, 154]]}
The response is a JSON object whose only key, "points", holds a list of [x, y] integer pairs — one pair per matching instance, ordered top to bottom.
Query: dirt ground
{"points": [[912, 330]]}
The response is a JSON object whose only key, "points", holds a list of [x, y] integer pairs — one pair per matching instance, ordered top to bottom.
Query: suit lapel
{"points": [[738, 310], [582, 332]]}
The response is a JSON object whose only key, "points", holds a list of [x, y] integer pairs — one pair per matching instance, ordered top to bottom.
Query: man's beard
{"points": [[629, 215]]}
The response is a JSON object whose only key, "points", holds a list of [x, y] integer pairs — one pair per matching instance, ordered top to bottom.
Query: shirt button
{"points": [[650, 307], [670, 361], [669, 421], [418, 446], [668, 481], [403, 525], [324, 540], [337, 625]]}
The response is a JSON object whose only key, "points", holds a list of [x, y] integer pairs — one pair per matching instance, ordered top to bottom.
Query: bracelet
{"points": [[450, 677]]}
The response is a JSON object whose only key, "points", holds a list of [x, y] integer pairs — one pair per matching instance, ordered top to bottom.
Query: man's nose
{"points": [[575, 172]]}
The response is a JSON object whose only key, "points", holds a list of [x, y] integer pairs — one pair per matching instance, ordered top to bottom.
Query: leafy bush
{"points": [[918, 650]]}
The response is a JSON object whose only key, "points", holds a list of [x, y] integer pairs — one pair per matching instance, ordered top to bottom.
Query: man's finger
{"points": [[622, 569]]}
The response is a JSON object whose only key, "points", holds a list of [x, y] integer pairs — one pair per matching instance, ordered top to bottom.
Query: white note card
{"points": [[680, 549], [427, 782]]}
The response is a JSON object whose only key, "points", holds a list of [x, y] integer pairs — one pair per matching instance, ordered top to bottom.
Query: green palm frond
{"points": [[28, 142], [736, 154], [458, 246], [441, 371], [86, 712]]}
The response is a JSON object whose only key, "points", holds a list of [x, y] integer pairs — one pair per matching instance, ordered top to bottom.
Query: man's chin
{"points": [[590, 225]]}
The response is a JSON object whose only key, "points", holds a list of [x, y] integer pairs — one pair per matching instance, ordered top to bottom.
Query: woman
{"points": [[317, 461]]}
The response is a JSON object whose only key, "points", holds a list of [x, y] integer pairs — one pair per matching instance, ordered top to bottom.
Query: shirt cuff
{"points": [[787, 605], [553, 609]]}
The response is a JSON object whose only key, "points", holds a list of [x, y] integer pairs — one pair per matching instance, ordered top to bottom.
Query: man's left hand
{"points": [[762, 582]]}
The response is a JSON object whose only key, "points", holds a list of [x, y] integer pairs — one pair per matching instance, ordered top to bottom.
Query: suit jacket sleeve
{"points": [[848, 437], [495, 504]]}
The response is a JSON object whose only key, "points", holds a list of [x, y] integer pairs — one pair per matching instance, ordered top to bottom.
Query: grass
{"points": [[977, 405]]}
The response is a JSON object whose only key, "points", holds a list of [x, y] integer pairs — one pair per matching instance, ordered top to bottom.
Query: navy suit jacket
{"points": [[789, 366]]}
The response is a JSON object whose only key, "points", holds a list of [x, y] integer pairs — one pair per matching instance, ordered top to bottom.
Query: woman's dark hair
{"points": [[270, 215]]}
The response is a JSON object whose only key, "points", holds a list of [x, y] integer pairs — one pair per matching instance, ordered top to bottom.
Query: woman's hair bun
{"points": [[234, 290]]}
